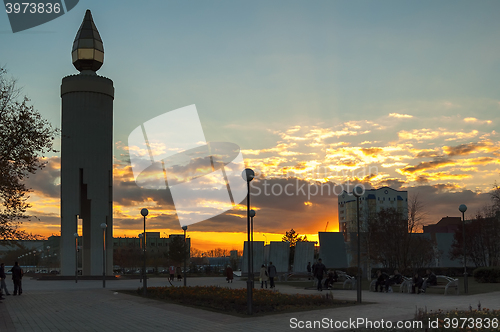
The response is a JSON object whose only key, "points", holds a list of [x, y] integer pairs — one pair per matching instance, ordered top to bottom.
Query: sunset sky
{"points": [[384, 93]]}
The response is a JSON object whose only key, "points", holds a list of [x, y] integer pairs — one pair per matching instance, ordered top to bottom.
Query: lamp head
{"points": [[248, 174], [358, 190], [462, 208], [144, 212], [252, 213], [103, 225], [184, 228], [75, 235]]}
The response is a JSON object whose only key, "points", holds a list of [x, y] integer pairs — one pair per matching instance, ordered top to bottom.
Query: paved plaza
{"points": [[86, 306]]}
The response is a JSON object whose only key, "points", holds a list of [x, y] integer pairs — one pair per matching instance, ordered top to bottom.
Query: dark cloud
{"points": [[462, 149], [371, 151], [428, 154], [438, 163], [46, 181], [439, 201]]}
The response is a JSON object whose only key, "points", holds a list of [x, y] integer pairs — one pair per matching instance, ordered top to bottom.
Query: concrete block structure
{"points": [[87, 156], [332, 249], [304, 253], [279, 254], [258, 256]]}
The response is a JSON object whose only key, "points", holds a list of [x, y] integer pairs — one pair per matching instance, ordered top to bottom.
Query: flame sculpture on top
{"points": [[88, 51]]}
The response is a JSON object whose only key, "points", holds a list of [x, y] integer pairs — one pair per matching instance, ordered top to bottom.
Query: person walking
{"points": [[319, 269], [178, 271], [171, 272], [271, 272], [229, 274], [17, 275], [263, 276], [3, 286]]}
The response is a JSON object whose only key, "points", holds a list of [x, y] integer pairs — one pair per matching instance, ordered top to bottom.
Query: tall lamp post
{"points": [[248, 175], [357, 192], [462, 209], [144, 213], [252, 214], [103, 226], [184, 228], [76, 257], [47, 261]]}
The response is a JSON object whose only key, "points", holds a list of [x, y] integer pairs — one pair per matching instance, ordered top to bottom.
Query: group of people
{"points": [[172, 271], [267, 273], [17, 275], [418, 285]]}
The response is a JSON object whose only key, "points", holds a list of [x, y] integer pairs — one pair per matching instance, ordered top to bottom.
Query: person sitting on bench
{"points": [[331, 278], [397, 278], [381, 280], [431, 280], [416, 283]]}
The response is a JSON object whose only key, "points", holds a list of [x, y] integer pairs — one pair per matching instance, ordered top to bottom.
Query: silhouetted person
{"points": [[319, 270], [271, 271], [309, 271], [179, 273], [229, 274], [17, 275], [263, 276], [331, 278], [397, 278], [381, 280], [431, 280], [416, 283], [3, 286]]}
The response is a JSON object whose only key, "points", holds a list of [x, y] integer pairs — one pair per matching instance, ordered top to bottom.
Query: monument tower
{"points": [[87, 156]]}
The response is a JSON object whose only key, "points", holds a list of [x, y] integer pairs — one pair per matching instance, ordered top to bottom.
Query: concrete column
{"points": [[86, 169]]}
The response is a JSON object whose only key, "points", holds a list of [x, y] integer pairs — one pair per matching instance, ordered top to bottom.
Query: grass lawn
{"points": [[234, 301]]}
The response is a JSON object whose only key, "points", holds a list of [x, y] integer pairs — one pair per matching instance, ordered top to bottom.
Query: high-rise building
{"points": [[371, 202]]}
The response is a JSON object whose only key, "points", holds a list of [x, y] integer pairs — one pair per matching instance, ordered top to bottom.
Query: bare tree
{"points": [[25, 137], [482, 238], [393, 241]]}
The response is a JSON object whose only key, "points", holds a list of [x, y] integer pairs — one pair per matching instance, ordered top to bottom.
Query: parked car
{"points": [[54, 272]]}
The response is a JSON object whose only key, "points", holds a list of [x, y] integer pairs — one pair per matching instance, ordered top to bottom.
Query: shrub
{"points": [[487, 274], [235, 300]]}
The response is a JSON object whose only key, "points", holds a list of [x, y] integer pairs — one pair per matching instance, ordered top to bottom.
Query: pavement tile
{"points": [[86, 306]]}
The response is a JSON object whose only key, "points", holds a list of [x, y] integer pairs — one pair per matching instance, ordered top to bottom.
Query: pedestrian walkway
{"points": [[86, 306]]}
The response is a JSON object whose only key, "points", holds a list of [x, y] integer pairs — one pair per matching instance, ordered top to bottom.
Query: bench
{"points": [[283, 276], [349, 281], [444, 282], [404, 286]]}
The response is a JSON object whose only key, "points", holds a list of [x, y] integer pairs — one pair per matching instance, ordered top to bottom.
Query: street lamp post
{"points": [[248, 175], [357, 192], [462, 209], [144, 213], [252, 214], [103, 226], [184, 228], [76, 257], [47, 261]]}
